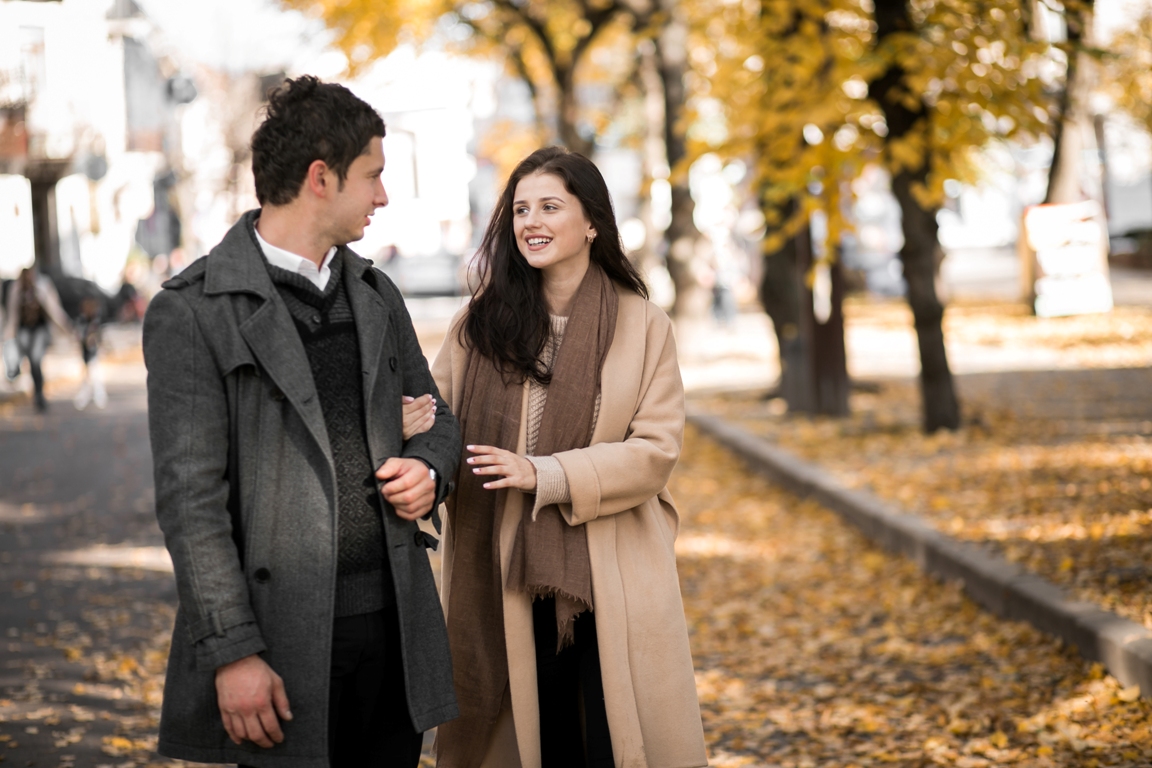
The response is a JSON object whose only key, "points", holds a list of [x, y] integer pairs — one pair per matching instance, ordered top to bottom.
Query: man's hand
{"points": [[419, 414], [410, 488], [250, 696]]}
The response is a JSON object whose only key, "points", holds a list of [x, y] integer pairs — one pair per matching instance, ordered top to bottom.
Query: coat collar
{"points": [[237, 264]]}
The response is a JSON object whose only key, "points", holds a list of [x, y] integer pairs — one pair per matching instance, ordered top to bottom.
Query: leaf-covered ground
{"points": [[1052, 469], [814, 649]]}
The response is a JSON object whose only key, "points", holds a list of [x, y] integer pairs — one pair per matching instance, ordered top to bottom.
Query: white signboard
{"points": [[17, 249], [1064, 249]]}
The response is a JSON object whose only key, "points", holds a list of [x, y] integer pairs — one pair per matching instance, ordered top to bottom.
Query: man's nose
{"points": [[381, 198]]}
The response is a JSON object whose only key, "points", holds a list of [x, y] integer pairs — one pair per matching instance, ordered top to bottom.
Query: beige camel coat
{"points": [[618, 486]]}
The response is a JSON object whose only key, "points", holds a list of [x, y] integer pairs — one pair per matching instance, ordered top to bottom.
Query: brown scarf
{"points": [[549, 557]]}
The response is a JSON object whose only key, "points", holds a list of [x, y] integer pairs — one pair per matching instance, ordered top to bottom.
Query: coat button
{"points": [[316, 319], [392, 363], [277, 394], [262, 575]]}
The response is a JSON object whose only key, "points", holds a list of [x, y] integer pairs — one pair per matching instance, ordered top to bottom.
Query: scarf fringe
{"points": [[566, 629]]}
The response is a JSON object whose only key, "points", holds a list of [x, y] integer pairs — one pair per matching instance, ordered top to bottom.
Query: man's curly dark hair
{"points": [[308, 120]]}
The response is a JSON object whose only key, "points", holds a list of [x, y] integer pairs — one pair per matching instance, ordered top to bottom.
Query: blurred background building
{"points": [[90, 138]]}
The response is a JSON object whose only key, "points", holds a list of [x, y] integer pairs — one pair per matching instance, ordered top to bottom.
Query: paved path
{"points": [[82, 640]]}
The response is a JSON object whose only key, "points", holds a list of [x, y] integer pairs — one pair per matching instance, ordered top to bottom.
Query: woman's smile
{"points": [[537, 242]]}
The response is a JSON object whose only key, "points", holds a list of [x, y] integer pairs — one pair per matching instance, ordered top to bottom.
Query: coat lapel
{"points": [[236, 266], [372, 325], [275, 342]]}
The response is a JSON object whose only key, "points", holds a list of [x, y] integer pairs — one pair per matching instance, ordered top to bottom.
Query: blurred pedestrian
{"points": [[33, 305], [88, 325], [562, 599], [309, 631]]}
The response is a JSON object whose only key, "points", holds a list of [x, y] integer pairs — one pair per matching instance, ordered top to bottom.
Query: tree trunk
{"points": [[568, 114], [1073, 121], [653, 156], [43, 176], [681, 237], [921, 251], [920, 257], [780, 295], [824, 342], [813, 362]]}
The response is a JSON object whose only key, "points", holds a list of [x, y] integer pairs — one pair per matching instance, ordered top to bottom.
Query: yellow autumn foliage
{"points": [[546, 43], [1128, 70], [791, 80]]}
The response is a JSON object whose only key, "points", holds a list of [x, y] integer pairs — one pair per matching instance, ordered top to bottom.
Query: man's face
{"points": [[362, 193]]}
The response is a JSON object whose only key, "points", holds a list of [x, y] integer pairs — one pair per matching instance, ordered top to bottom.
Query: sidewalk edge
{"points": [[1123, 646]]}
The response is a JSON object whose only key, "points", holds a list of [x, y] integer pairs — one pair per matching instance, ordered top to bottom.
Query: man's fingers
{"points": [[389, 468], [399, 485], [410, 498], [280, 699], [270, 725], [230, 726], [255, 731]]}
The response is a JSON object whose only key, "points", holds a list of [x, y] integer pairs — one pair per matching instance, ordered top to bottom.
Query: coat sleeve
{"points": [[188, 422], [439, 447], [610, 477]]}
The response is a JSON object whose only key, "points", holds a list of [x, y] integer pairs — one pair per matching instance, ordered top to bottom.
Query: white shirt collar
{"points": [[278, 257]]}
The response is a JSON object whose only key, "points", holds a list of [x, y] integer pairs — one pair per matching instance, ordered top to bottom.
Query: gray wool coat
{"points": [[246, 496]]}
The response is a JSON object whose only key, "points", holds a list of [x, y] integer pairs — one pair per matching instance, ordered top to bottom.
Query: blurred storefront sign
{"points": [[16, 224], [1064, 259]]}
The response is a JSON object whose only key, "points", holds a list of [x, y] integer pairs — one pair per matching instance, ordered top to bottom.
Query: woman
{"points": [[32, 304], [559, 580]]}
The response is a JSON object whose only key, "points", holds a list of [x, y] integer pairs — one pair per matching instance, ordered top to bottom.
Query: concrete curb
{"points": [[1123, 646]]}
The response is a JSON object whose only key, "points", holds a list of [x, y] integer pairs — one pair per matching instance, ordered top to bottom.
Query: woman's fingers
{"points": [[418, 414], [515, 471]]}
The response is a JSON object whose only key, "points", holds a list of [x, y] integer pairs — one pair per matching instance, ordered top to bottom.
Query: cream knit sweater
{"points": [[551, 482]]}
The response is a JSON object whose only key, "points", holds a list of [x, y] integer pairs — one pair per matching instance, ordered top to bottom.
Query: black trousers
{"points": [[368, 721], [573, 721]]}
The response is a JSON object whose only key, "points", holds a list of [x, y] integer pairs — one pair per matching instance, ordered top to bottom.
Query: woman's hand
{"points": [[419, 414], [515, 470]]}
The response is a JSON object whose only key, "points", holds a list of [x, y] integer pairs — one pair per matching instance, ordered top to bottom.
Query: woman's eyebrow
{"points": [[543, 199]]}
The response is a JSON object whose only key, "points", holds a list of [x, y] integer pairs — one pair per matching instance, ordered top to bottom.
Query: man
{"points": [[309, 631]]}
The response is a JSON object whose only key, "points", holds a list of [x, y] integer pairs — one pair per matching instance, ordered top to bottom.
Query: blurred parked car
{"points": [[436, 275]]}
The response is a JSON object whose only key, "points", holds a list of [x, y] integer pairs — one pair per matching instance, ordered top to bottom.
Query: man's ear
{"points": [[319, 178]]}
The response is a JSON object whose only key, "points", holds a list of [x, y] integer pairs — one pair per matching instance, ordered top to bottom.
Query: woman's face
{"points": [[549, 223]]}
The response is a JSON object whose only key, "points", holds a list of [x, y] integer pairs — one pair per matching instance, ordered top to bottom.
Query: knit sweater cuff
{"points": [[551, 482]]}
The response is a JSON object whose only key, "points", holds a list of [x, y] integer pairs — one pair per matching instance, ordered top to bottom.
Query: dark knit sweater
{"points": [[328, 330]]}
